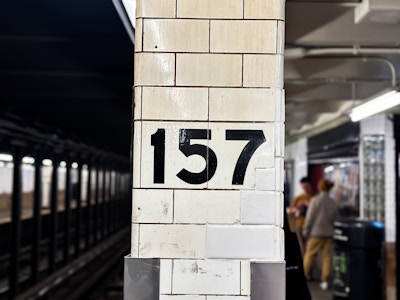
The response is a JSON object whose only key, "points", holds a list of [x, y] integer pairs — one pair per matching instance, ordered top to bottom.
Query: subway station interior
{"points": [[66, 140]]}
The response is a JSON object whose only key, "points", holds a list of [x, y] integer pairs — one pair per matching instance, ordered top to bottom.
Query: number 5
{"points": [[185, 135]]}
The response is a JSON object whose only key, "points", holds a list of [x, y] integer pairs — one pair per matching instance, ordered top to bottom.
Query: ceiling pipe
{"points": [[353, 52]]}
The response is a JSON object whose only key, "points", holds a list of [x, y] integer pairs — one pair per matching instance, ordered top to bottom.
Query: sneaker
{"points": [[323, 285]]}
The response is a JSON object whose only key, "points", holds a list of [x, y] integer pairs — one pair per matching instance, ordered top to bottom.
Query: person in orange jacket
{"points": [[300, 204]]}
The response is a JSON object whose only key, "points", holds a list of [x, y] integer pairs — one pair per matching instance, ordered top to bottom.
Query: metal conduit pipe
{"points": [[353, 52]]}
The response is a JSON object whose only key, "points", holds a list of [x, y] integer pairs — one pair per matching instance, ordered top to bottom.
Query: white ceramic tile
{"points": [[156, 8], [210, 9], [261, 9], [139, 35], [176, 35], [232, 36], [281, 38], [154, 69], [208, 70], [263, 71], [164, 103], [137, 104], [238, 104], [279, 105], [283, 106], [279, 139], [137, 153], [263, 156], [175, 159], [279, 169], [266, 179], [152, 206], [206, 206], [260, 207], [280, 210], [135, 240], [172, 241], [244, 242], [165, 276], [209, 277], [245, 277], [182, 297], [228, 298]]}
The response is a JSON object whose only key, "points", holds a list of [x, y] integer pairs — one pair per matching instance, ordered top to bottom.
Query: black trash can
{"points": [[357, 260]]}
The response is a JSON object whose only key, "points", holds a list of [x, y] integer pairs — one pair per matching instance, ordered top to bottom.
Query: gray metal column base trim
{"points": [[141, 278], [268, 280]]}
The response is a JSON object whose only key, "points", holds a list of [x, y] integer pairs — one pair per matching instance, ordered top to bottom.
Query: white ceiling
{"points": [[332, 63]]}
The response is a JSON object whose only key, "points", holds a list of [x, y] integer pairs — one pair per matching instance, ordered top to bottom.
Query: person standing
{"points": [[300, 203], [298, 209], [318, 228]]}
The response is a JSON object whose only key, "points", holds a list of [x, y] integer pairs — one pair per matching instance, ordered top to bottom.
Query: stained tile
{"points": [[156, 8], [225, 9], [261, 9], [139, 35], [172, 35], [232, 36], [154, 69], [208, 70], [263, 71], [137, 103], [162, 103], [239, 104], [137, 153], [152, 206], [202, 207], [135, 240], [172, 241], [165, 276], [207, 277]]}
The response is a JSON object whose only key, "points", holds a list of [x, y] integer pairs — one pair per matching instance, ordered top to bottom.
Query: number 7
{"points": [[255, 138]]}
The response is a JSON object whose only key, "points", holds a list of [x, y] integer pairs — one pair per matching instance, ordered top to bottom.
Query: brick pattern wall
{"points": [[208, 80]]}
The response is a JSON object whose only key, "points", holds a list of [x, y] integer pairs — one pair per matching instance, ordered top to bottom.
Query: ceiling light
{"points": [[376, 105], [6, 157], [28, 160], [47, 162]]}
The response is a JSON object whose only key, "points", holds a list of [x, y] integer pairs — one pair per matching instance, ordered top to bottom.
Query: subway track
{"points": [[85, 270], [90, 274]]}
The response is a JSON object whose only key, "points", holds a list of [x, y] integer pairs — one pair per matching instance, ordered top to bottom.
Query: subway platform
{"points": [[317, 293]]}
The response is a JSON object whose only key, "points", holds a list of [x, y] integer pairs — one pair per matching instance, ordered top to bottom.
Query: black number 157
{"points": [[255, 138]]}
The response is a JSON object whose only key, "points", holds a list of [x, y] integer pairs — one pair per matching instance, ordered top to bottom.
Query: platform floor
{"points": [[317, 293]]}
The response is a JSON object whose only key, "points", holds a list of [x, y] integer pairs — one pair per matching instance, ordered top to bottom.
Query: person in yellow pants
{"points": [[318, 228]]}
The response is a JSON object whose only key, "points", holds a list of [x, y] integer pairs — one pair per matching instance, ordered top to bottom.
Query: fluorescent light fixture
{"points": [[376, 105], [6, 157], [28, 160], [47, 162], [63, 164], [75, 165], [329, 169]]}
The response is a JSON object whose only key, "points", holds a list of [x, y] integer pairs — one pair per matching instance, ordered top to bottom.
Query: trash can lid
{"points": [[358, 233]]}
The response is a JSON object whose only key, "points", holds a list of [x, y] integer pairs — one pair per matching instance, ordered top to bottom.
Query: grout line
{"points": [[209, 36], [242, 70]]}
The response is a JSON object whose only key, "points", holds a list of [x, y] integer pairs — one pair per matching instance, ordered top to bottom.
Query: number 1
{"points": [[158, 141]]}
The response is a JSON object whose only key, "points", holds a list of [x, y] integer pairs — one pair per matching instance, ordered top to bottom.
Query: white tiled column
{"points": [[208, 150]]}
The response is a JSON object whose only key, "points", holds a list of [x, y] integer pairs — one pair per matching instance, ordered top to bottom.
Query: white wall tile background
{"points": [[381, 124], [208, 143], [297, 152]]}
